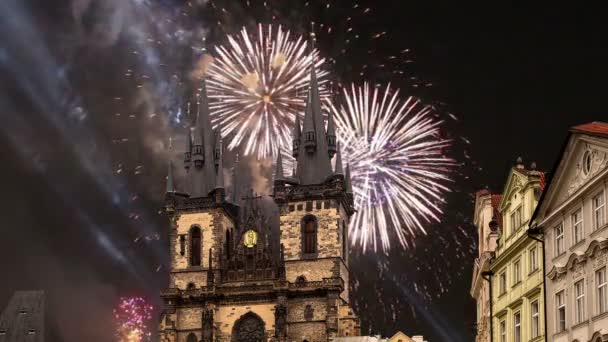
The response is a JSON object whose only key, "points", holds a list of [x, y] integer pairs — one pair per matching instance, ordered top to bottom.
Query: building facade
{"points": [[572, 215], [486, 219], [232, 277], [517, 277]]}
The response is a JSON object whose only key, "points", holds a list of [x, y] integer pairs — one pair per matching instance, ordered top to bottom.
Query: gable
{"points": [[583, 159], [515, 183], [400, 336]]}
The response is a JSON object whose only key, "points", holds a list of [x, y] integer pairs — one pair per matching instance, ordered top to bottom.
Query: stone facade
{"points": [[572, 216], [486, 219], [517, 276], [230, 279]]}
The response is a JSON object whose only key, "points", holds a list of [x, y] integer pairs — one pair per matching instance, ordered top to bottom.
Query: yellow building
{"points": [[517, 281]]}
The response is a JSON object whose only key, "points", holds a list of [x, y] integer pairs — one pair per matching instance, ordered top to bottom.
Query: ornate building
{"points": [[571, 217], [486, 219], [516, 269], [232, 278]]}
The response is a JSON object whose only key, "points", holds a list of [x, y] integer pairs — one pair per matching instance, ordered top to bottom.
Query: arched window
{"points": [[309, 235], [228, 243], [182, 245], [195, 246], [191, 286], [249, 328], [191, 338]]}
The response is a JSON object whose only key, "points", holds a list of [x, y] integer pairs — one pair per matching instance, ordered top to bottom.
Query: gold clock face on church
{"points": [[250, 238]]}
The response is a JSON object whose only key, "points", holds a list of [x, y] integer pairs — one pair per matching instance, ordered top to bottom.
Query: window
{"points": [[309, 206], [599, 216], [516, 219], [577, 225], [309, 235], [559, 240], [182, 245], [195, 246], [533, 259], [516, 272], [502, 283], [602, 285], [579, 294], [560, 304], [535, 319], [517, 327], [503, 331], [191, 338]]}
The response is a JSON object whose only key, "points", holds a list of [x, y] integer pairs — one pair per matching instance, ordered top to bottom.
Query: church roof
{"points": [[596, 127], [313, 167]]}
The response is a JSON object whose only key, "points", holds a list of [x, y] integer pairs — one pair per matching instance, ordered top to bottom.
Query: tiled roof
{"points": [[596, 127]]}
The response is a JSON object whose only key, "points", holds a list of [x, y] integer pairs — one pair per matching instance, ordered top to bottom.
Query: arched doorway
{"points": [[249, 328], [191, 338]]}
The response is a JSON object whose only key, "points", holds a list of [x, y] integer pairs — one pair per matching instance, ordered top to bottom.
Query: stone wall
{"points": [[329, 238], [181, 279], [296, 309], [226, 316], [310, 331]]}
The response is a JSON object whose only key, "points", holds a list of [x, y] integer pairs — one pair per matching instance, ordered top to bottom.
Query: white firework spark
{"points": [[258, 84], [399, 168]]}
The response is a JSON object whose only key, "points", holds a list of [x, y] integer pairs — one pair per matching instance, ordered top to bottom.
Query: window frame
{"points": [[601, 209], [577, 224], [314, 243], [560, 245], [192, 247], [533, 261], [517, 272], [502, 282], [601, 290], [579, 301], [560, 306], [535, 319], [517, 326], [503, 330]]}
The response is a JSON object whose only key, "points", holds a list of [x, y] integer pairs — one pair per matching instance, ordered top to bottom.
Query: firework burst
{"points": [[258, 83], [399, 168], [132, 316]]}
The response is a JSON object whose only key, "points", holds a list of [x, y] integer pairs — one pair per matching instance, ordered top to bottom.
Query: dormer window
{"points": [[310, 136]]}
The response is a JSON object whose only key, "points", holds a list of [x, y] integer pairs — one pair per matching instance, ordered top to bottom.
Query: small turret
{"points": [[296, 136], [310, 136], [331, 136], [217, 152], [188, 153], [198, 156], [519, 163], [338, 170], [279, 177], [347, 180], [170, 182]]}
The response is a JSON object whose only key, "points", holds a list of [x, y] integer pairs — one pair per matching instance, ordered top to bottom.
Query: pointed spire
{"points": [[339, 171], [278, 174], [347, 180], [170, 182]]}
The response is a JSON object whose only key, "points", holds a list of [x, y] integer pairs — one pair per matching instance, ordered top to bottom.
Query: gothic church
{"points": [[230, 278]]}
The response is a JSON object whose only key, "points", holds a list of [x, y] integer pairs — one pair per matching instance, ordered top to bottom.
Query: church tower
{"points": [[315, 206], [201, 220]]}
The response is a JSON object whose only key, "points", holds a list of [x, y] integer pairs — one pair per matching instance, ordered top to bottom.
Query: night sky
{"points": [[84, 147]]}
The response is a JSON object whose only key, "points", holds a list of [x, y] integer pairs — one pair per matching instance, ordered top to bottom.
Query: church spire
{"points": [[313, 161], [203, 175]]}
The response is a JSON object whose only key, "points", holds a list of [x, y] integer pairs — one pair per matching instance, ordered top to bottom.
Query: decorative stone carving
{"points": [[590, 163], [308, 313], [280, 319], [207, 325], [249, 328]]}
